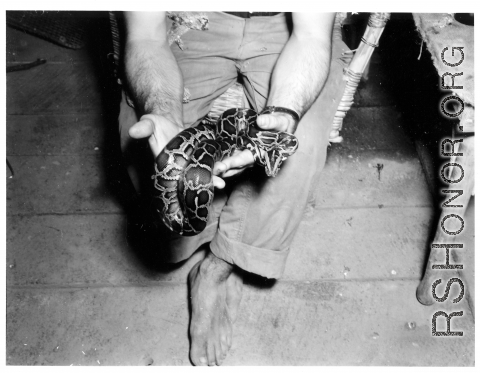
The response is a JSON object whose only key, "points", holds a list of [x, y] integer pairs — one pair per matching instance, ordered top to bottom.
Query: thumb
{"points": [[272, 122], [141, 129]]}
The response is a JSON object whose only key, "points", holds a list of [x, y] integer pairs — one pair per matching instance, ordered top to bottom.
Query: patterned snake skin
{"points": [[184, 169]]}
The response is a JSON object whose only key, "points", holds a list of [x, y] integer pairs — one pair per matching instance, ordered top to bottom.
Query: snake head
{"points": [[270, 149]]}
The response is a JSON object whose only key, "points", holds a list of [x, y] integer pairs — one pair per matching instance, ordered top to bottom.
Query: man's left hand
{"points": [[277, 122], [242, 159]]}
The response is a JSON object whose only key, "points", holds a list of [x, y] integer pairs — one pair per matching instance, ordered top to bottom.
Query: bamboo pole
{"points": [[353, 73]]}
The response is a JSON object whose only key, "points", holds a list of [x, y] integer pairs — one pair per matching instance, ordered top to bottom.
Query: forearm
{"points": [[300, 72], [154, 78]]}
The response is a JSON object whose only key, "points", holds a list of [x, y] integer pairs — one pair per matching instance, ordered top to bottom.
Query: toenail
{"points": [[203, 360]]}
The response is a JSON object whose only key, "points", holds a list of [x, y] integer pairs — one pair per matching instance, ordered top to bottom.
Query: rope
{"points": [[368, 43]]}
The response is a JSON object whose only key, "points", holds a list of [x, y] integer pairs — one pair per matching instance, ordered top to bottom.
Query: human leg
{"points": [[207, 72], [255, 202], [262, 214], [214, 285], [215, 288]]}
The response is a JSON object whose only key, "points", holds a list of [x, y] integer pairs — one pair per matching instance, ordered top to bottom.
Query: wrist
{"points": [[280, 109], [157, 117], [289, 118]]}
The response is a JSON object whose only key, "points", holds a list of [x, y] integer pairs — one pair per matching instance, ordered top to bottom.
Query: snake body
{"points": [[183, 178]]}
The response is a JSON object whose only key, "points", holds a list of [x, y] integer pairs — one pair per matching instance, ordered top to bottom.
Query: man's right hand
{"points": [[157, 128], [160, 131]]}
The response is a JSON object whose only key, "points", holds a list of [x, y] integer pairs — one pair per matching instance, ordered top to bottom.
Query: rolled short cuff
{"points": [[264, 262]]}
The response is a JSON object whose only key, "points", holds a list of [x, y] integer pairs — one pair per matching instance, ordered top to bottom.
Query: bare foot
{"points": [[210, 281], [234, 292]]}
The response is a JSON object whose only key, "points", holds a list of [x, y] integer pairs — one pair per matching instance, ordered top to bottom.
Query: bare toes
{"points": [[220, 356], [212, 360], [198, 361]]}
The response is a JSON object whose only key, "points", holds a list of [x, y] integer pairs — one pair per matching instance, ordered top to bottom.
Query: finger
{"points": [[273, 122], [141, 129], [240, 160], [219, 168], [233, 172], [218, 182]]}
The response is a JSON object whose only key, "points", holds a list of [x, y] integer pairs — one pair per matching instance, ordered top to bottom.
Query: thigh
{"points": [[264, 40], [205, 58], [265, 212]]}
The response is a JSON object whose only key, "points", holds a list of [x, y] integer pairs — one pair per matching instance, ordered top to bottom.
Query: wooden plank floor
{"points": [[77, 293]]}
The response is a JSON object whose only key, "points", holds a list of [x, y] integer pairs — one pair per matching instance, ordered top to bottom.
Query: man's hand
{"points": [[277, 122], [157, 128], [160, 131], [240, 160], [236, 163]]}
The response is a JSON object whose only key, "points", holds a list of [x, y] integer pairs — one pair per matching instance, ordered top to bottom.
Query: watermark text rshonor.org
{"points": [[458, 57]]}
